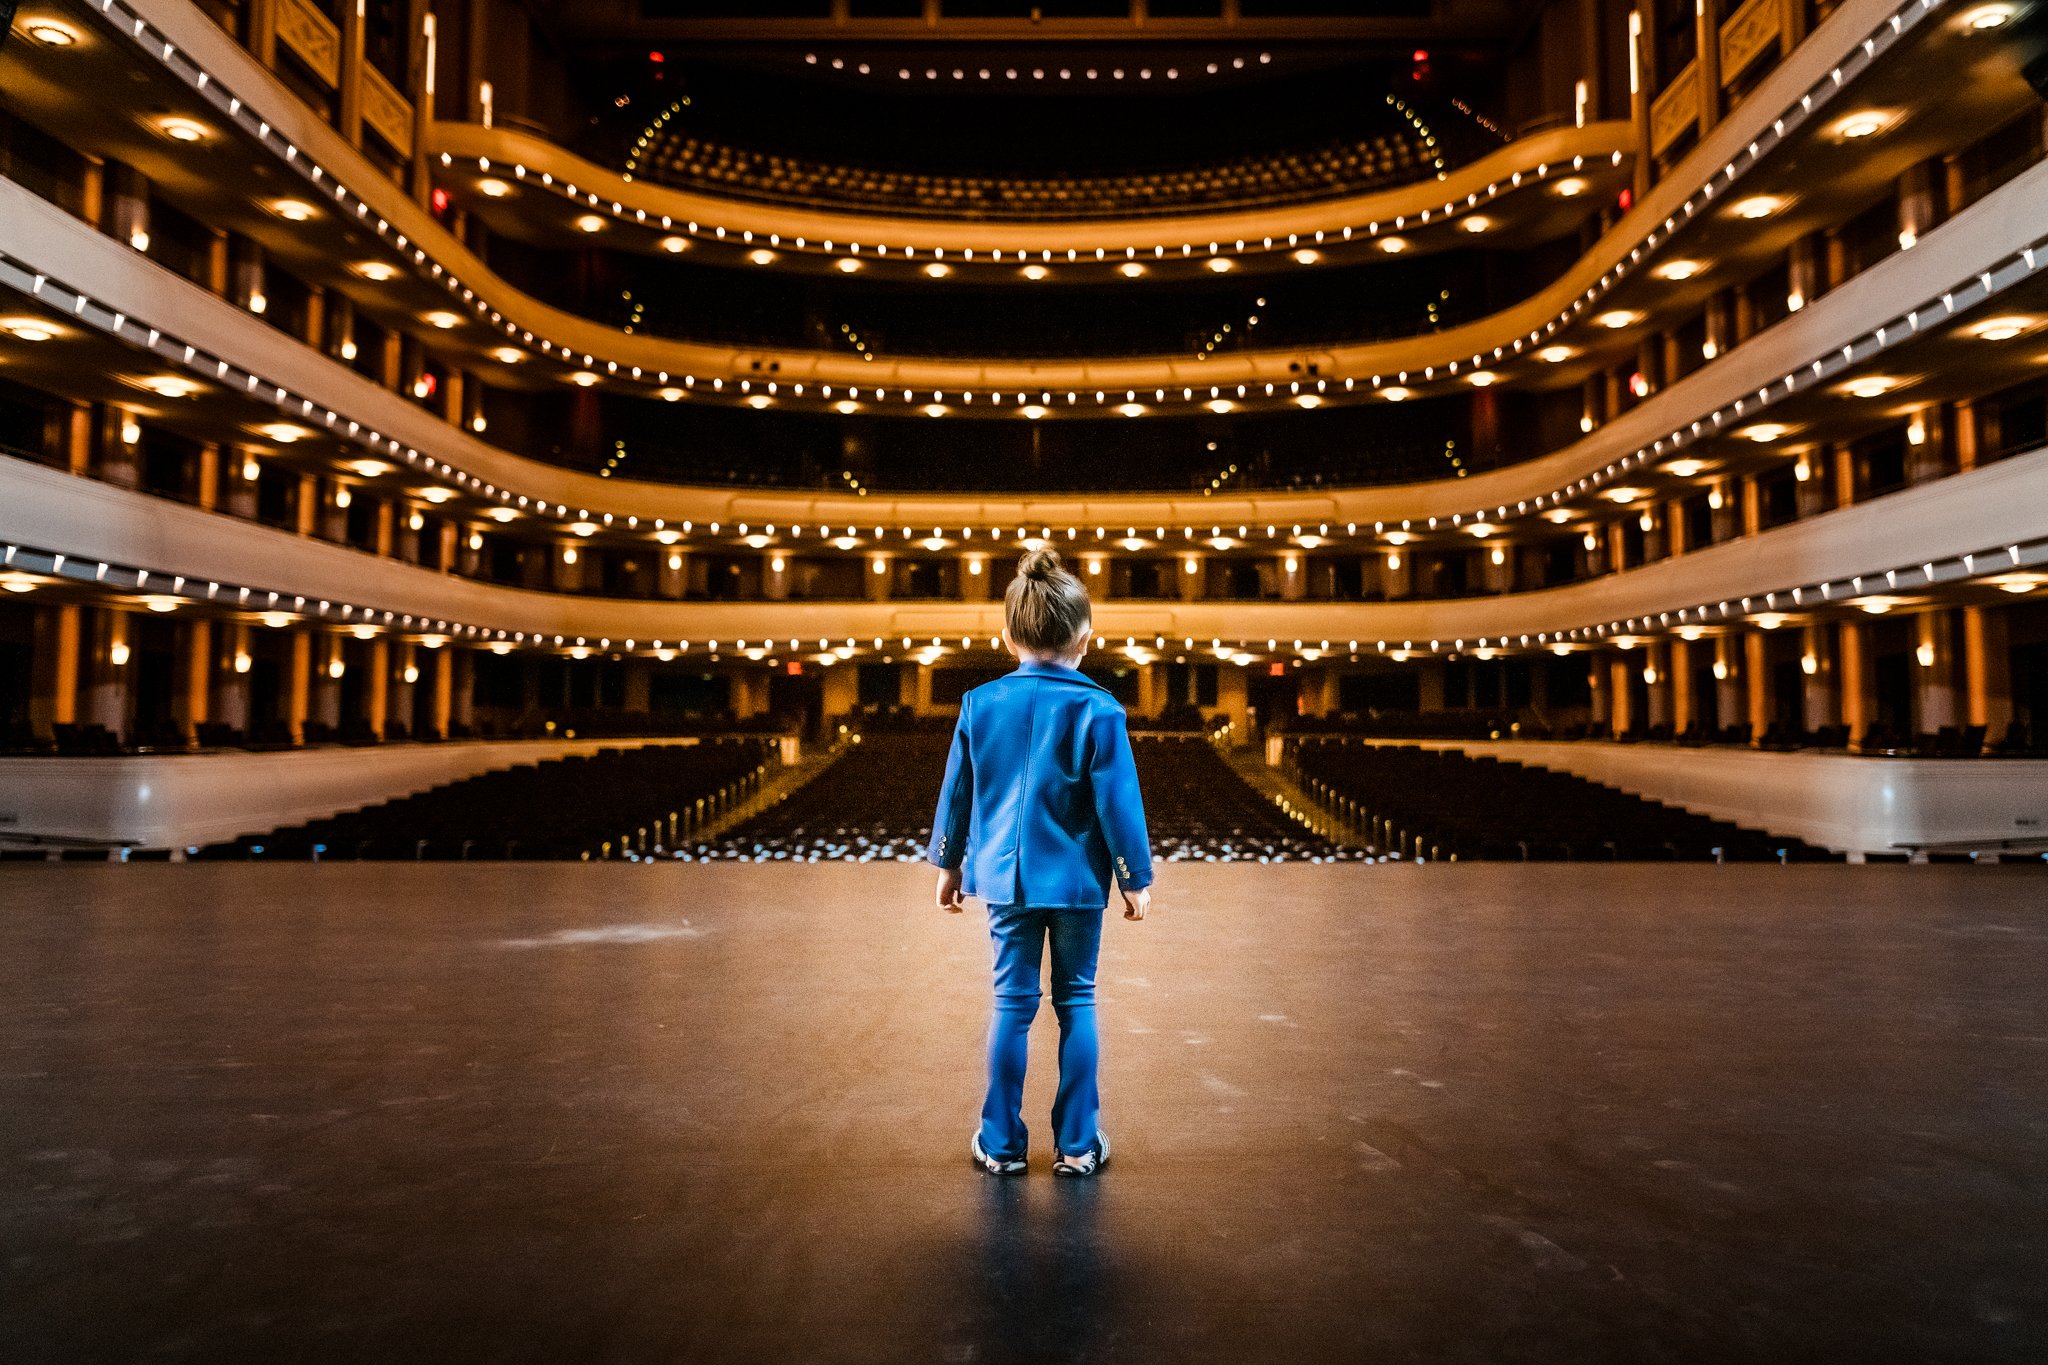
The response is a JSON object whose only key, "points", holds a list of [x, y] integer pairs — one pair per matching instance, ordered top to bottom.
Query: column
{"points": [[1707, 54], [1640, 88], [1916, 203], [125, 205], [1963, 434], [120, 435], [1926, 445], [1843, 458], [208, 476], [1809, 486], [239, 491], [1752, 506], [306, 507], [451, 543], [568, 567], [1499, 571], [1094, 572], [1293, 572], [1397, 573], [1190, 575], [775, 576], [974, 577], [876, 579], [672, 580], [330, 665], [1987, 667], [1678, 668], [1934, 672], [403, 674], [1756, 677], [1855, 682], [192, 684], [1599, 685], [1657, 685], [377, 687], [444, 688], [639, 690], [1729, 695], [298, 696], [53, 697], [1620, 700], [462, 710]]}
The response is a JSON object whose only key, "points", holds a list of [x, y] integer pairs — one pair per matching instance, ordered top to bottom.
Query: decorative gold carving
{"points": [[1747, 34], [312, 37], [1677, 109], [386, 111]]}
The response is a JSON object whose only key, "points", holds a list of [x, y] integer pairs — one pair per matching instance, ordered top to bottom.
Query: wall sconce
{"points": [[117, 654]]}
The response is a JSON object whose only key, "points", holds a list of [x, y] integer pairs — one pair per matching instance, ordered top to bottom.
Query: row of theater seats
{"points": [[1333, 168], [97, 741], [1950, 741], [876, 802], [614, 803], [1440, 804]]}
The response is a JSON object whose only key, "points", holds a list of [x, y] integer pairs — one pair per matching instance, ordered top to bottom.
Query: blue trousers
{"points": [[1019, 934]]}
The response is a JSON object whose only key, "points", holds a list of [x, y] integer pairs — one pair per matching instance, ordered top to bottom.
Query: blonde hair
{"points": [[1045, 607]]}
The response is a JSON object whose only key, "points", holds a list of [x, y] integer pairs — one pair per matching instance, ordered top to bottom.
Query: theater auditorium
{"points": [[505, 505]]}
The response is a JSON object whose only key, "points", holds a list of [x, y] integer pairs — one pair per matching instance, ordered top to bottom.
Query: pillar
{"points": [[1707, 56], [1640, 89], [1916, 203], [1963, 435], [120, 437], [1926, 445], [1843, 457], [239, 483], [306, 511], [1725, 513], [568, 568], [1292, 568], [1190, 573], [672, 574], [1397, 574], [775, 575], [974, 575], [875, 582], [330, 664], [1678, 668], [1987, 669], [108, 670], [404, 676], [231, 677], [1756, 677], [1854, 680], [1657, 682], [192, 683], [1599, 685], [377, 687], [444, 688], [1729, 694], [298, 695], [53, 697], [1620, 704], [1819, 706], [462, 708]]}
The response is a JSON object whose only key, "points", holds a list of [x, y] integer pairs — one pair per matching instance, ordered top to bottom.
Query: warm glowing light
{"points": [[1978, 20], [50, 33], [1864, 123], [183, 129], [1571, 187], [492, 188], [1758, 206], [292, 210], [589, 222], [1476, 222], [674, 246], [1393, 246], [761, 255], [1307, 256], [846, 265], [1219, 265], [938, 270], [1130, 270], [1678, 270], [379, 271], [1034, 272], [1617, 319], [442, 320], [27, 329], [2001, 329], [507, 355], [1555, 355], [583, 379], [1480, 379], [169, 385], [1871, 385], [1394, 393], [670, 395], [1309, 400], [758, 401], [1220, 405], [846, 407], [934, 409], [1131, 409], [1034, 411], [1763, 432], [284, 433], [368, 469], [1685, 469], [1623, 495], [162, 602], [276, 620], [117, 653], [1924, 653]]}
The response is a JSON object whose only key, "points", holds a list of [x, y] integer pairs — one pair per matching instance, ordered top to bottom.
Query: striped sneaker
{"points": [[1086, 1163], [1013, 1166]]}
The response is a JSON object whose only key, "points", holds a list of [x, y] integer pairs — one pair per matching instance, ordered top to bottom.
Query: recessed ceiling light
{"points": [[1979, 19], [50, 32], [1863, 123], [179, 129], [1571, 187], [493, 188], [1758, 206], [292, 210], [589, 222], [1477, 222], [674, 246], [1393, 246], [761, 255], [1307, 256], [846, 265], [1220, 265], [938, 270], [1130, 270], [1678, 270], [379, 271], [1034, 272], [1617, 319], [442, 320], [27, 329], [2001, 329], [507, 355], [1553, 355], [583, 379], [1480, 379], [169, 385], [1871, 385], [1394, 393], [669, 395], [1309, 400], [757, 401], [1220, 405], [846, 407], [935, 409], [1131, 409], [1034, 410], [1763, 432], [284, 433], [368, 469], [1685, 469], [436, 494], [1623, 495], [501, 515], [1558, 516], [19, 582]]}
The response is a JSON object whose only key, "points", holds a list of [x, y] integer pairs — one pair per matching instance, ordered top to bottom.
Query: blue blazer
{"points": [[1041, 795]]}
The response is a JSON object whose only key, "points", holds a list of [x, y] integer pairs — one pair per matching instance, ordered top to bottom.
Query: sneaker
{"points": [[1086, 1163], [1013, 1166]]}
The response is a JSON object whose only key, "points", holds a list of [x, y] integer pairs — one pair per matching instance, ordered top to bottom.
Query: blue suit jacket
{"points": [[1041, 799]]}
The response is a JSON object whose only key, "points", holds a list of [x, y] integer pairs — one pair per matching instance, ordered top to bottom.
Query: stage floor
{"points": [[1452, 1113]]}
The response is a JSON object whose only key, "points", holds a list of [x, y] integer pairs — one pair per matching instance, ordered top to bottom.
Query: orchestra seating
{"points": [[1347, 166], [1950, 741], [876, 802], [614, 803], [1440, 804]]}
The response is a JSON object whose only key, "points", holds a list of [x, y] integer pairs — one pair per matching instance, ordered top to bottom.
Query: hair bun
{"points": [[1039, 563]]}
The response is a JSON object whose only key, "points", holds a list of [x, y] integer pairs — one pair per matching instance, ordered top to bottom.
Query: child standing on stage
{"points": [[1040, 801]]}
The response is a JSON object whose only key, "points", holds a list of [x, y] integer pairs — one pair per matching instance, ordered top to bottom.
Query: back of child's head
{"points": [[1045, 607]]}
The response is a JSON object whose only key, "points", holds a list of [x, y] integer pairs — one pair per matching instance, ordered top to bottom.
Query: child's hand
{"points": [[949, 890], [1136, 903]]}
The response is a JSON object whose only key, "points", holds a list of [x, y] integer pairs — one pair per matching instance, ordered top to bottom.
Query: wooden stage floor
{"points": [[1452, 1113]]}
